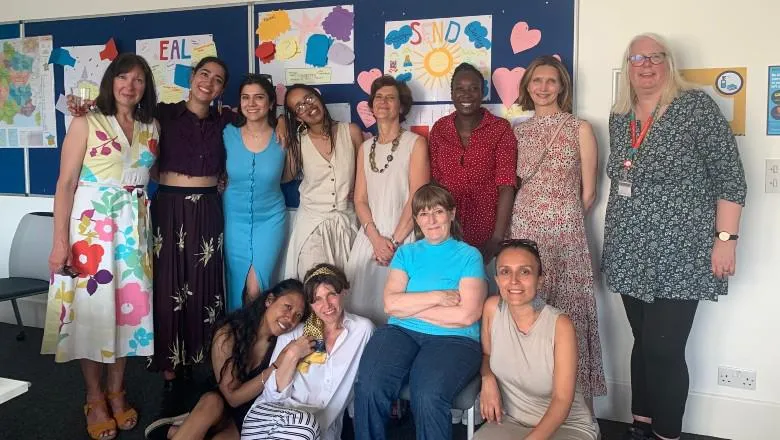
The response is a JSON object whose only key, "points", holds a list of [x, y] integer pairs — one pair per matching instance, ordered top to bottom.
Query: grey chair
{"points": [[28, 263]]}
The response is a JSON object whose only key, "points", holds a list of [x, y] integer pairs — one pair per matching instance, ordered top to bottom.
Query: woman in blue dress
{"points": [[255, 213]]}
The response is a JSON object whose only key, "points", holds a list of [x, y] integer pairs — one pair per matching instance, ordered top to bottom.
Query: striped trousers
{"points": [[272, 421]]}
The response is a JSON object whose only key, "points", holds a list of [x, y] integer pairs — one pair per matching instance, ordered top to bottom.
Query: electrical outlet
{"points": [[772, 176], [737, 378]]}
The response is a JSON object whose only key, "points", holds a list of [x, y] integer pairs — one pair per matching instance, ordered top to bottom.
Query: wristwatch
{"points": [[725, 236]]}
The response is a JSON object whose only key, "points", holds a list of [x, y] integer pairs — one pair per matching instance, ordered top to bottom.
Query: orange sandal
{"points": [[122, 418], [96, 429]]}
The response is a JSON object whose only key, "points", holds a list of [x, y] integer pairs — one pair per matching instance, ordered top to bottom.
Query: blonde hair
{"points": [[675, 84], [564, 96]]}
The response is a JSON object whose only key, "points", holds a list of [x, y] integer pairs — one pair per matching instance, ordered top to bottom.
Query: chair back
{"points": [[31, 247]]}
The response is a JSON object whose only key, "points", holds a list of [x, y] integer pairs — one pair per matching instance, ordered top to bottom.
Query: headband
{"points": [[320, 271]]}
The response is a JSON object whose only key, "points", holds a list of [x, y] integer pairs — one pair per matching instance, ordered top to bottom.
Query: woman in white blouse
{"points": [[306, 395]]}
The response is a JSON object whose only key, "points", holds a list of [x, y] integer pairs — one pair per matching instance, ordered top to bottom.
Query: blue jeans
{"points": [[436, 368]]}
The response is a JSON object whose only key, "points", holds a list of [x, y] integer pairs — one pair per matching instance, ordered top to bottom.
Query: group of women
{"points": [[133, 281]]}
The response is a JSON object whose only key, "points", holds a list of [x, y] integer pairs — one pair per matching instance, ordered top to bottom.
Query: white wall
{"points": [[740, 330]]}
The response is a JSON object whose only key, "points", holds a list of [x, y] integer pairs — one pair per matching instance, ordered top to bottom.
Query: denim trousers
{"points": [[436, 368]]}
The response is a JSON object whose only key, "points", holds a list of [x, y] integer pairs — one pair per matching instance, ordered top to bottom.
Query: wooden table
{"points": [[10, 388]]}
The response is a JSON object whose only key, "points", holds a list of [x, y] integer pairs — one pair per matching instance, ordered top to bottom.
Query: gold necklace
{"points": [[372, 153]]}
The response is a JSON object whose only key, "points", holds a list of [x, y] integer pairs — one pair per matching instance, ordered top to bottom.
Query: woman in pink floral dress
{"points": [[557, 187], [100, 298]]}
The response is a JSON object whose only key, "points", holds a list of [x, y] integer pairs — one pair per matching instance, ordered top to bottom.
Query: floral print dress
{"points": [[106, 312]]}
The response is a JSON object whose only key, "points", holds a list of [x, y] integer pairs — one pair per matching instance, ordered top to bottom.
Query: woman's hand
{"points": [[76, 110], [281, 131], [383, 249], [59, 256], [724, 258], [449, 298], [299, 348], [490, 400]]}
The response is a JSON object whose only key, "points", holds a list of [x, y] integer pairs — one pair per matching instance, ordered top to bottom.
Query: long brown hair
{"points": [[430, 196]]}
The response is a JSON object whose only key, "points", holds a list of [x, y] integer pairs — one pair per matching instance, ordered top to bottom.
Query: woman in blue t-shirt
{"points": [[434, 295]]}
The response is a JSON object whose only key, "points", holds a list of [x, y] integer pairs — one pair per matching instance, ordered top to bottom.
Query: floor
{"points": [[51, 409]]}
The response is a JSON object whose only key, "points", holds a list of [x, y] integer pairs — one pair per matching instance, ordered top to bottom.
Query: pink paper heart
{"points": [[524, 38], [557, 57], [366, 78], [507, 83], [281, 91], [365, 114]]}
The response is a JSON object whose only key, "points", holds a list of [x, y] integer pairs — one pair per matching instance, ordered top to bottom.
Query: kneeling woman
{"points": [[434, 295], [241, 358], [529, 365], [314, 367]]}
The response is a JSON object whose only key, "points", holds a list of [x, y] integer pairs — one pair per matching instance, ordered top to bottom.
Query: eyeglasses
{"points": [[637, 59], [304, 103]]}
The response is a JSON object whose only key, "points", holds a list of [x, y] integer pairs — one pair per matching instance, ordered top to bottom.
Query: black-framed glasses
{"points": [[638, 59], [307, 100], [69, 271]]}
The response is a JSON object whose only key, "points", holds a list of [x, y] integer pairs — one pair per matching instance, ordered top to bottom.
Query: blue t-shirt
{"points": [[437, 267]]}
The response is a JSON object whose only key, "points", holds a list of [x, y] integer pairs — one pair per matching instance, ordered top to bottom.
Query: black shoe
{"points": [[639, 431]]}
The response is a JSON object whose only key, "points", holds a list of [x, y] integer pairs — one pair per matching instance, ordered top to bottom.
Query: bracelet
{"points": [[395, 242]]}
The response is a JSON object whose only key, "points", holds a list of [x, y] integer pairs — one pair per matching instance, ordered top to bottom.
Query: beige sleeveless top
{"points": [[327, 184], [523, 365]]}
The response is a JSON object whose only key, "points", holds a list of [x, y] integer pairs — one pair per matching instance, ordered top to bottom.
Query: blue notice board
{"points": [[228, 25], [11, 159]]}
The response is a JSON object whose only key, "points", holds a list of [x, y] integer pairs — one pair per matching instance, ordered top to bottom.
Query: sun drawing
{"points": [[434, 67]]}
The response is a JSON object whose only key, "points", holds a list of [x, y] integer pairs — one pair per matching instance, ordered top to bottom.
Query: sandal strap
{"points": [[123, 417]]}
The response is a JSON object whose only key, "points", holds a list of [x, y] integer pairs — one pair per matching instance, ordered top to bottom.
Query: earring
{"points": [[219, 105], [302, 129]]}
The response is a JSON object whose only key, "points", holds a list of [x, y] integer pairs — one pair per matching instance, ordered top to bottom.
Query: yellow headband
{"points": [[320, 271]]}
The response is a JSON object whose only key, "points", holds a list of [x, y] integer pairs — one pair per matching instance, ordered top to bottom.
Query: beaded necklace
{"points": [[372, 155]]}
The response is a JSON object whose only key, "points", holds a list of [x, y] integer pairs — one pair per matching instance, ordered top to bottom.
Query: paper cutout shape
{"points": [[339, 23], [273, 24], [307, 25], [478, 35], [399, 37], [523, 37], [287, 49], [204, 50], [317, 50], [265, 51], [109, 52], [340, 53], [62, 57], [557, 57], [181, 76], [406, 77], [366, 78], [507, 84], [281, 92], [170, 93], [62, 104], [365, 114], [422, 130]]}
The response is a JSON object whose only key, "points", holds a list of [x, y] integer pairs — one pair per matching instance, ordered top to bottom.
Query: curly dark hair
{"points": [[466, 67], [294, 125], [242, 327]]}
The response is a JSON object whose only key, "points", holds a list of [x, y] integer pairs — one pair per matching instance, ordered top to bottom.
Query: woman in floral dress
{"points": [[557, 187], [100, 298]]}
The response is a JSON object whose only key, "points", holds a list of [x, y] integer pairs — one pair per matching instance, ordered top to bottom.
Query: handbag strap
{"points": [[547, 147]]}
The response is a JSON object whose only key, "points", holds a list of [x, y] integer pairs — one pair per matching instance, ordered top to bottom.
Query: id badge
{"points": [[624, 188]]}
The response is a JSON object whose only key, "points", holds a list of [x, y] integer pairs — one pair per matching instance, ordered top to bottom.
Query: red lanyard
{"points": [[636, 139]]}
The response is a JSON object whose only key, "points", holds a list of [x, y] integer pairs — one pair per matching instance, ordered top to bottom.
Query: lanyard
{"points": [[637, 139]]}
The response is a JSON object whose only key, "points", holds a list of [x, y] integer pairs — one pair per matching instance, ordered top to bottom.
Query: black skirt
{"points": [[189, 294]]}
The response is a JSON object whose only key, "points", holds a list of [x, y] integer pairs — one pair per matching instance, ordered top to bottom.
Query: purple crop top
{"points": [[189, 145]]}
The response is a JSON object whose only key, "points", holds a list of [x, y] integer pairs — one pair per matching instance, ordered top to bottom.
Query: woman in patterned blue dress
{"points": [[671, 225]]}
